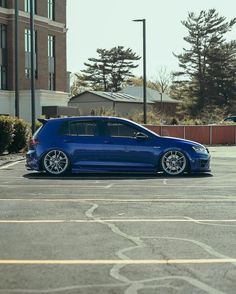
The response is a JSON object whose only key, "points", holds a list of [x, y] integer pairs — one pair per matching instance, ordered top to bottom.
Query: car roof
{"points": [[230, 117], [84, 118], [98, 118]]}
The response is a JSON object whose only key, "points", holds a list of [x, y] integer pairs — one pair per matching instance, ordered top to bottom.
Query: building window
{"points": [[3, 3], [27, 5], [51, 9], [28, 53], [3, 57], [51, 62], [3, 78]]}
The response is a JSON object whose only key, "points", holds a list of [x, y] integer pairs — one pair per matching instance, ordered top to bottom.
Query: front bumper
{"points": [[200, 164]]}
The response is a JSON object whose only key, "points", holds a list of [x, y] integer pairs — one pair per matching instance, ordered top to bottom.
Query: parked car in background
{"points": [[230, 119], [110, 144]]}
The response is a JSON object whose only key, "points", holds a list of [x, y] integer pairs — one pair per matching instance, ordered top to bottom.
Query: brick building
{"points": [[50, 56]]}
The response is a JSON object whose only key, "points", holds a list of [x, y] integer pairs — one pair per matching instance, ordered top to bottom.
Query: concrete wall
{"points": [[42, 98]]}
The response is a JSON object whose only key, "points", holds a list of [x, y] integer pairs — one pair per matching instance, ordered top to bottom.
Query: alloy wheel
{"points": [[56, 162], [173, 162]]}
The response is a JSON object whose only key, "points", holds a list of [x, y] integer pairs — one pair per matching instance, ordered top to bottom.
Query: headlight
{"points": [[199, 149]]}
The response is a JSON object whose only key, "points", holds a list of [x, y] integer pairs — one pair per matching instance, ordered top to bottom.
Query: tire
{"points": [[56, 162], [174, 163]]}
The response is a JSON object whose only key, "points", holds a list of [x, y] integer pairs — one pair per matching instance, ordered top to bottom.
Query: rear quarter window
{"points": [[79, 128], [38, 131]]}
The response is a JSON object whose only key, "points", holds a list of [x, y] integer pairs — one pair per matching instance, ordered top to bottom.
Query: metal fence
{"points": [[209, 134]]}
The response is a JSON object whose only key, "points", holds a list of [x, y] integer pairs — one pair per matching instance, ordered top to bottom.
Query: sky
{"points": [[94, 24]]}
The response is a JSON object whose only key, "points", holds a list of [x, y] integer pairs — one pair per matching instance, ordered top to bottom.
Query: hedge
{"points": [[14, 134], [21, 135]]}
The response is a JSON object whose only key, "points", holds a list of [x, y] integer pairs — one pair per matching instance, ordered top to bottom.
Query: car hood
{"points": [[180, 141]]}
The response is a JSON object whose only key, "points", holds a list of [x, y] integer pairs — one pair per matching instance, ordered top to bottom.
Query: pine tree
{"points": [[205, 63], [222, 67], [110, 69], [96, 75]]}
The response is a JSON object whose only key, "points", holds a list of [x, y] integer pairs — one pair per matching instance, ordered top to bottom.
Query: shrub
{"points": [[102, 112], [152, 117], [174, 121], [187, 121], [6, 132], [21, 135]]}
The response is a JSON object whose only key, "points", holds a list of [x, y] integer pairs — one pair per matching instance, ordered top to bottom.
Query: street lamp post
{"points": [[32, 49], [144, 70], [161, 93], [17, 114]]}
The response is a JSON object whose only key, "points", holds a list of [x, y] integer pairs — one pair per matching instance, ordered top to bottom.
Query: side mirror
{"points": [[141, 136]]}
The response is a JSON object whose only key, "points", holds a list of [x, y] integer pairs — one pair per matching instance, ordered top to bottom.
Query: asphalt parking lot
{"points": [[129, 234]]}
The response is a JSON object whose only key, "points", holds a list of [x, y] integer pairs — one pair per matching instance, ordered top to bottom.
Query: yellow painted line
{"points": [[117, 221], [115, 261]]}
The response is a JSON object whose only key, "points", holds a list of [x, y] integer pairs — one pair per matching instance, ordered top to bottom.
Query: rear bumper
{"points": [[32, 161]]}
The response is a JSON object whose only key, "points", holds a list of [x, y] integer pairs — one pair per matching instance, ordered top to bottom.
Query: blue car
{"points": [[230, 119], [110, 144]]}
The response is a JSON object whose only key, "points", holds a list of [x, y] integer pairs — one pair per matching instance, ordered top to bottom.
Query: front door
{"points": [[124, 151]]}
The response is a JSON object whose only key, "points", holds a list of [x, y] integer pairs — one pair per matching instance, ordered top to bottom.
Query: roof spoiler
{"points": [[43, 120]]}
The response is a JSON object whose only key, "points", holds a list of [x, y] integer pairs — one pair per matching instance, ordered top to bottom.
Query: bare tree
{"points": [[162, 81]]}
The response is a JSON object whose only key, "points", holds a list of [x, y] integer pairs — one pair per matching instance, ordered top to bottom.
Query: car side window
{"points": [[81, 128], [117, 129]]}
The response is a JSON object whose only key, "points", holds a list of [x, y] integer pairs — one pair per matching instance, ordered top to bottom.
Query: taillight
{"points": [[33, 143]]}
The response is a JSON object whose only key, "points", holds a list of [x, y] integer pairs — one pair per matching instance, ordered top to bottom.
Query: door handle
{"points": [[107, 142]]}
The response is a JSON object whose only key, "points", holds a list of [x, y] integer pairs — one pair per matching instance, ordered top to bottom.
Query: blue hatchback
{"points": [[110, 144]]}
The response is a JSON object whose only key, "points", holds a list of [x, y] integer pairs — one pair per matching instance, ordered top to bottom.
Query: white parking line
{"points": [[10, 164], [120, 200], [127, 220], [115, 261]]}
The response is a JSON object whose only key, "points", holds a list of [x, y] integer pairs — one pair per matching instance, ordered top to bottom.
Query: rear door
{"points": [[83, 142]]}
